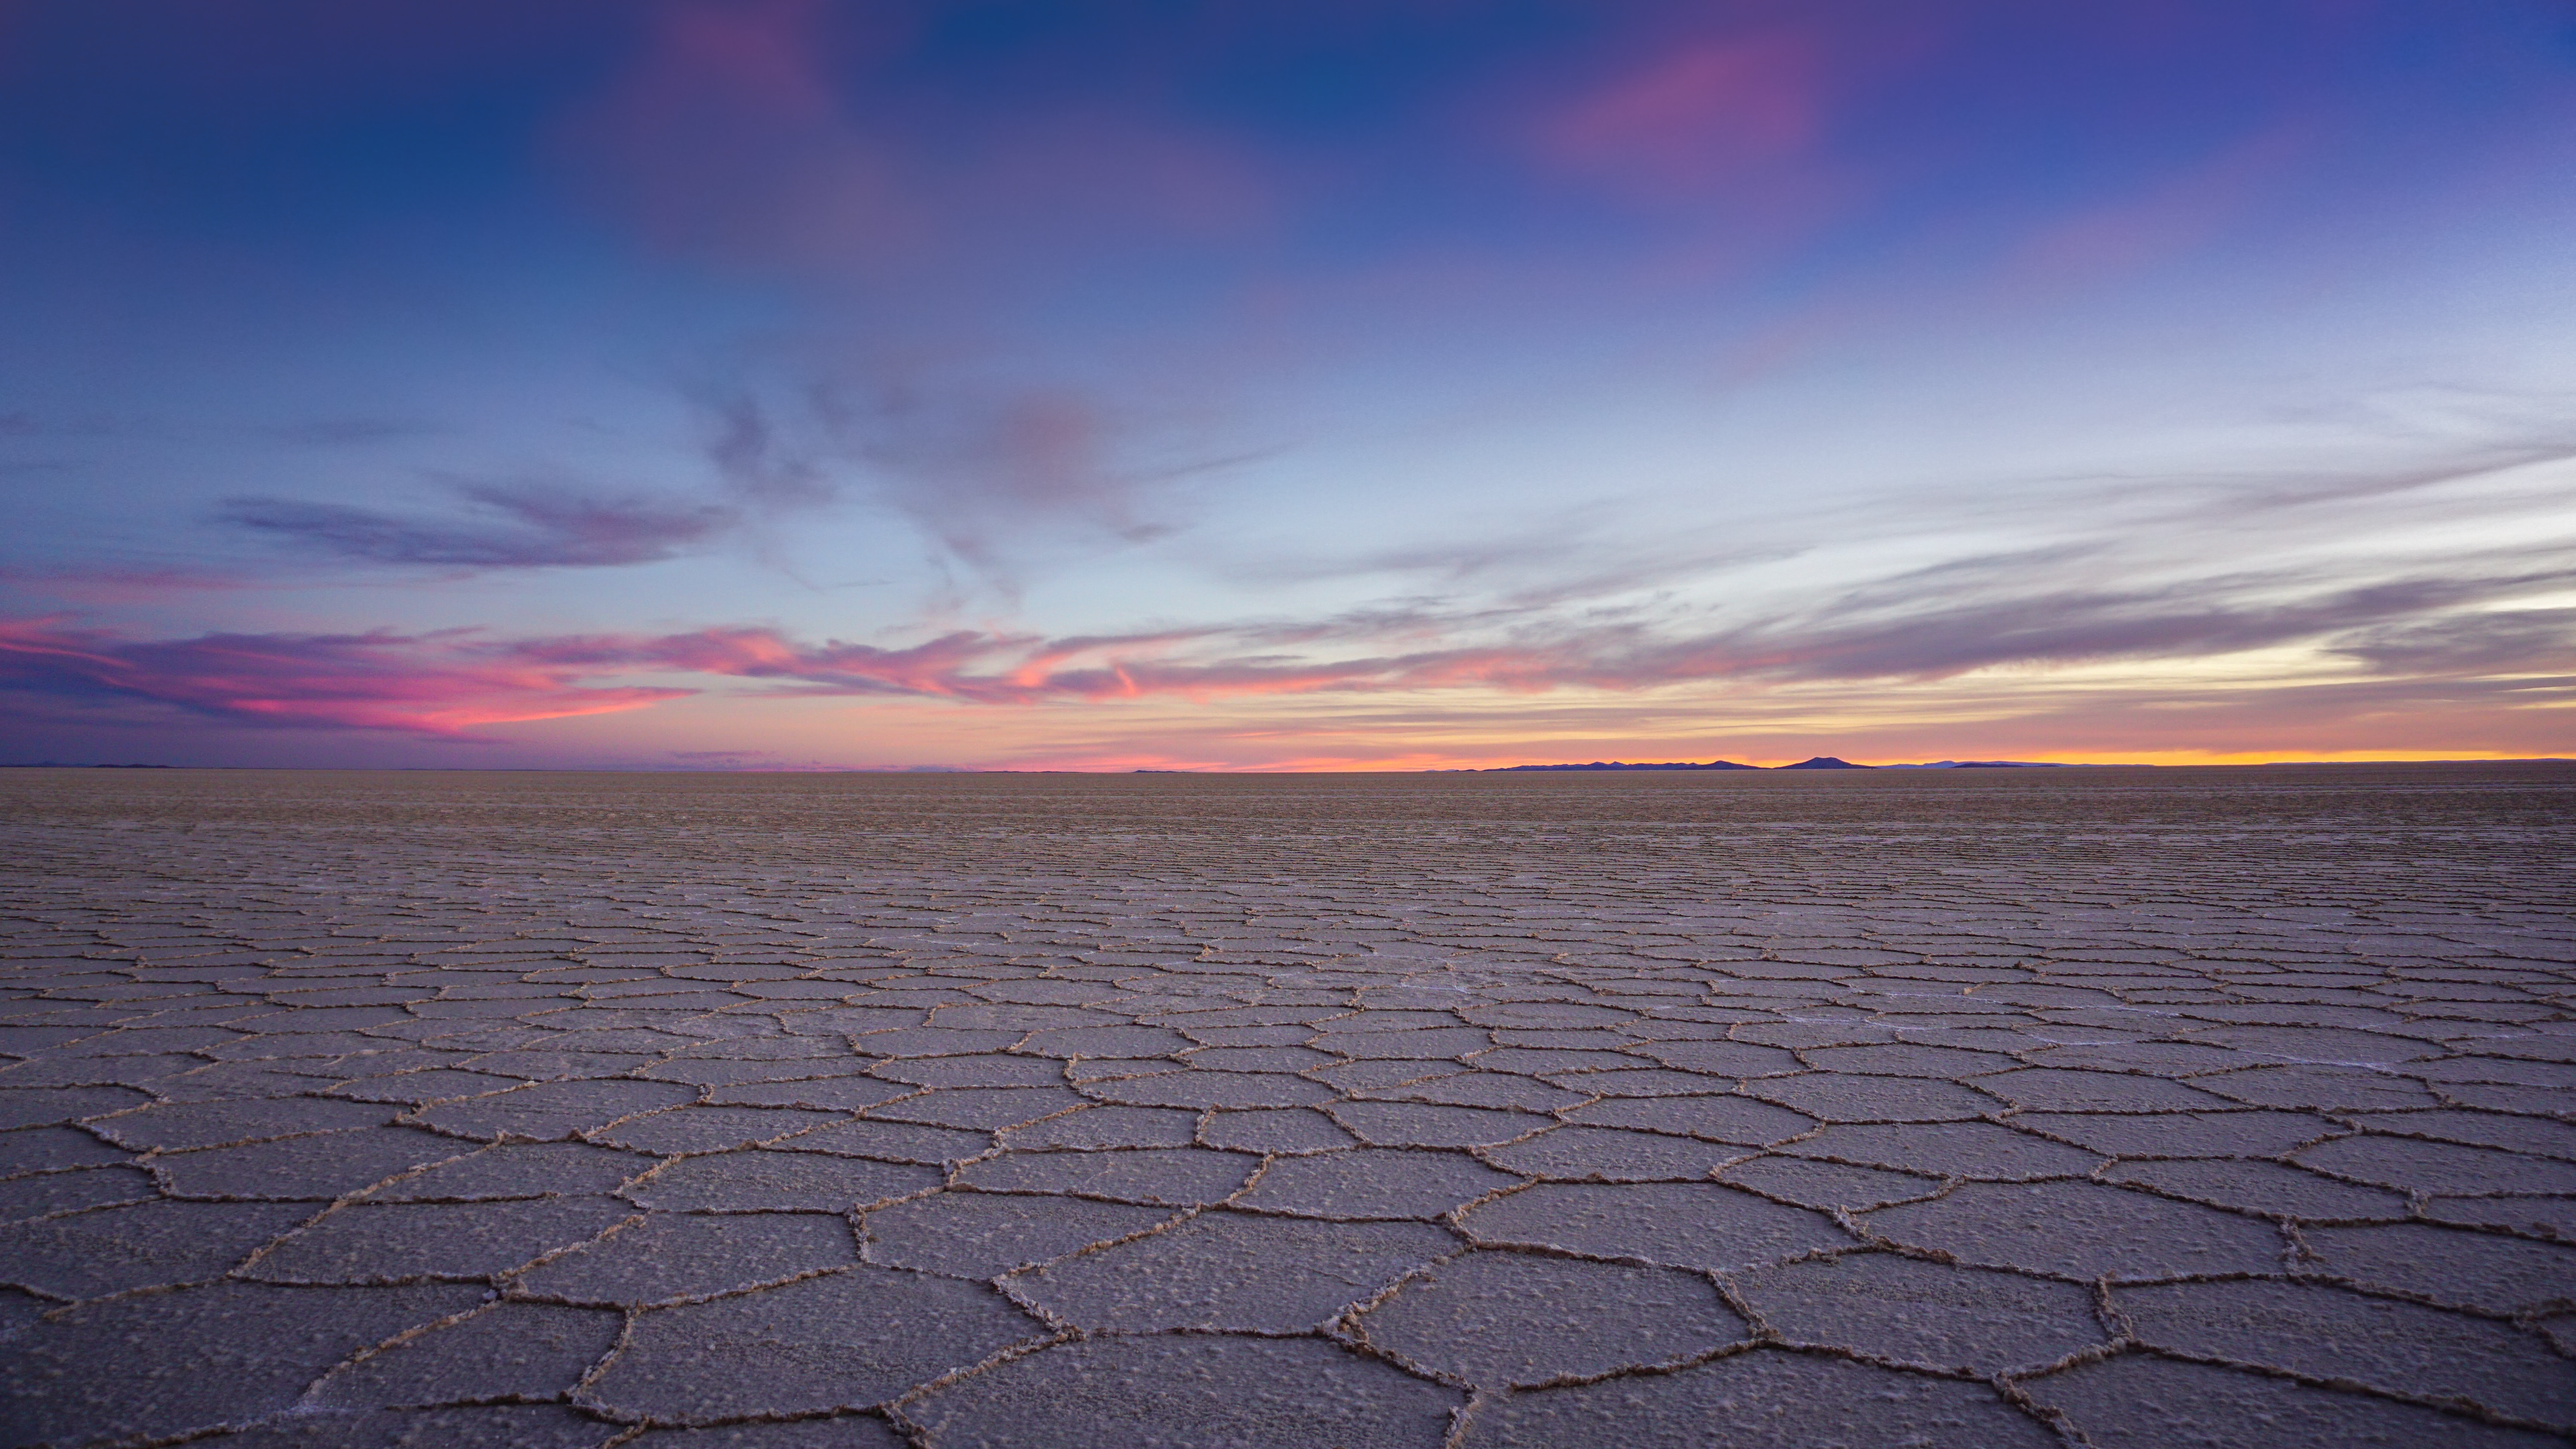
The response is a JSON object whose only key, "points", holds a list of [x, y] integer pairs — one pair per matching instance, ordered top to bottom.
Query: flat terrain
{"points": [[1983, 1109]]}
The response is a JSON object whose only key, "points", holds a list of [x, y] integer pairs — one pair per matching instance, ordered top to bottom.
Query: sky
{"points": [[781, 384]]}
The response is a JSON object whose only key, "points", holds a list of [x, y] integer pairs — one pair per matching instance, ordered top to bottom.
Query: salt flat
{"points": [[1988, 1108]]}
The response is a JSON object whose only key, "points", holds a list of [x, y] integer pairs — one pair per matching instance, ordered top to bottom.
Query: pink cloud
{"points": [[1699, 117], [758, 134], [2171, 217], [418, 684], [444, 684]]}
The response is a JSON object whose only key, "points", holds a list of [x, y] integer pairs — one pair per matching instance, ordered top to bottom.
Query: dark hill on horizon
{"points": [[1827, 762]]}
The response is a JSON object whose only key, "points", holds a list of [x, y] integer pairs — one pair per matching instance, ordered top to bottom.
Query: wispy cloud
{"points": [[507, 525], [2445, 632], [436, 684]]}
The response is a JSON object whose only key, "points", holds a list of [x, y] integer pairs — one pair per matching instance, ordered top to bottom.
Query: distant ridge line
{"points": [[1617, 765]]}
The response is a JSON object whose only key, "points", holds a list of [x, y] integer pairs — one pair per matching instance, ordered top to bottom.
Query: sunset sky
{"points": [[1396, 384]]}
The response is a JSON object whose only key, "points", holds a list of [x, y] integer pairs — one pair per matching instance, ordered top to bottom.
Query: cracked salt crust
{"points": [[2112, 1109]]}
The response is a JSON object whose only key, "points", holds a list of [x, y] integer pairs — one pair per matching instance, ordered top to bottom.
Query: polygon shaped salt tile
{"points": [[1541, 1014], [1007, 1017], [859, 1023], [1104, 1041], [908, 1043], [1422, 1043], [2320, 1044], [1723, 1058], [2155, 1058], [1257, 1059], [1908, 1059], [1532, 1060], [1104, 1069], [988, 1070], [732, 1071], [1379, 1073], [1636, 1082], [417, 1089], [2050, 1089], [2323, 1089], [1213, 1090], [1504, 1090], [837, 1095], [1837, 1097], [49, 1106], [987, 1108], [553, 1111], [1743, 1121], [1407, 1124], [175, 1126], [1108, 1127], [697, 1128], [1284, 1129], [2181, 1134], [2540, 1136], [892, 1141], [51, 1149], [1977, 1150], [1612, 1154], [2412, 1164], [317, 1168], [519, 1170], [1164, 1176], [756, 1180], [1380, 1183], [1827, 1185], [2269, 1188], [37, 1194], [2548, 1217], [1682, 1225], [2081, 1230], [983, 1235], [383, 1243], [143, 1245], [691, 1255], [1225, 1271], [2485, 1272], [1909, 1311], [1492, 1319], [2322, 1332], [862, 1337], [509, 1350], [222, 1354], [1111, 1393], [1767, 1399], [2140, 1401]]}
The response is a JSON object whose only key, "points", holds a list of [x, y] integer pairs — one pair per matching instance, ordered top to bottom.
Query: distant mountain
{"points": [[1827, 762], [1616, 765], [1980, 765]]}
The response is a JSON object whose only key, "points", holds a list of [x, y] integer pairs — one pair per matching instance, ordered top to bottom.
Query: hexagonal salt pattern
{"points": [[2109, 1108]]}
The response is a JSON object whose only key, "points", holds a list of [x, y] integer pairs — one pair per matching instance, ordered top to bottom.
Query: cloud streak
{"points": [[510, 526], [2444, 631], [435, 684]]}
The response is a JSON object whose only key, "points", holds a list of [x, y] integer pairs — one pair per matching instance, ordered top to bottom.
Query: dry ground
{"points": [[1992, 1108]]}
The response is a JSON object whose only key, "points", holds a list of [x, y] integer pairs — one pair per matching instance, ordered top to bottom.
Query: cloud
{"points": [[1694, 118], [762, 134], [513, 525], [2437, 632], [434, 685]]}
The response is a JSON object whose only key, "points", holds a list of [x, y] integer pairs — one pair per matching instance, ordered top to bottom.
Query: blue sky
{"points": [[778, 384]]}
